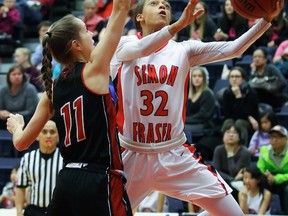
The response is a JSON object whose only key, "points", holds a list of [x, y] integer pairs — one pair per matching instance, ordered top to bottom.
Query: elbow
{"points": [[20, 146]]}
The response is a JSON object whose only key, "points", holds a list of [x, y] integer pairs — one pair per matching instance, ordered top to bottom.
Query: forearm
{"points": [[20, 200]]}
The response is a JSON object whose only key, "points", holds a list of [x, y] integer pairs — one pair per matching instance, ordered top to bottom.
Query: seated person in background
{"points": [[10, 21], [94, 22], [230, 24], [202, 29], [275, 35], [280, 50], [37, 56], [22, 57], [282, 63], [261, 68], [18, 96], [201, 101], [240, 103], [260, 138], [230, 158], [273, 162], [7, 198], [254, 198], [154, 202]]}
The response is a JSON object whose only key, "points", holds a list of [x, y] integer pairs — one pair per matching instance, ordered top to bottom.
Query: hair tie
{"points": [[49, 34]]}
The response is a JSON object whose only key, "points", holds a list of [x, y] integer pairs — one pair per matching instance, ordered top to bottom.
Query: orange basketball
{"points": [[254, 9]]}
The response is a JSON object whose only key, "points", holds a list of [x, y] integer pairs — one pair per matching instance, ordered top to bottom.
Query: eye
{"points": [[167, 6]]}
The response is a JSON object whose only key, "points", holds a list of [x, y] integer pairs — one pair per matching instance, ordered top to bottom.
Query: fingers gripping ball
{"points": [[254, 9]]}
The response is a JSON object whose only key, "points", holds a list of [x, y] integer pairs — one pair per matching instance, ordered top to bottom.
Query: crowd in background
{"points": [[237, 130]]}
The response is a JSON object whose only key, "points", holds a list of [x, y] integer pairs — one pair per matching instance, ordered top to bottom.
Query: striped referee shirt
{"points": [[38, 171]]}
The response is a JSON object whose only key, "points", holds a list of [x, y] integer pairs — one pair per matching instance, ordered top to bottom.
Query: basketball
{"points": [[254, 9]]}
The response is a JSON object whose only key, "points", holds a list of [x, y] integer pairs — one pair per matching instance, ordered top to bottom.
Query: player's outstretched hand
{"points": [[279, 6], [188, 16], [15, 122]]}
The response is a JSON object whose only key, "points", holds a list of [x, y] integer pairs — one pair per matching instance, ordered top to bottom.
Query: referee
{"points": [[37, 173]]}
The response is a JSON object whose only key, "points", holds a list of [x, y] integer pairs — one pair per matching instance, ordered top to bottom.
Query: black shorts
{"points": [[92, 190]]}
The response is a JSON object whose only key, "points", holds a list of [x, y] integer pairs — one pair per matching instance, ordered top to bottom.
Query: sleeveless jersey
{"points": [[152, 90], [85, 121]]}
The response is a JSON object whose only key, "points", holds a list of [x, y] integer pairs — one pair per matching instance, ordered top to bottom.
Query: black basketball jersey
{"points": [[86, 121]]}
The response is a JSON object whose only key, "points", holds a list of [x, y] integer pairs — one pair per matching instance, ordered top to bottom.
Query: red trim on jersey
{"points": [[139, 36], [185, 97], [120, 113], [115, 153], [210, 168], [118, 206]]}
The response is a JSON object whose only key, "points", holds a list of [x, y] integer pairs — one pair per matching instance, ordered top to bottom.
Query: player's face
{"points": [[156, 13], [86, 41], [48, 137]]}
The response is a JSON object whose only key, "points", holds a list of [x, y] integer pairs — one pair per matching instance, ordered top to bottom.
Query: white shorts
{"points": [[177, 173]]}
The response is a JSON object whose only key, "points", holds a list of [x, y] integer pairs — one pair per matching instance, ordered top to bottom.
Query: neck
{"points": [[15, 88], [47, 150], [253, 191]]}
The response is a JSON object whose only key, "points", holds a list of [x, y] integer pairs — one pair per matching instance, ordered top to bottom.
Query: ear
{"points": [[139, 18], [76, 45]]}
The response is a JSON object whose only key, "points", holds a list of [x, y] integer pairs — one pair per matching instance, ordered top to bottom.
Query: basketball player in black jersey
{"points": [[92, 182]]}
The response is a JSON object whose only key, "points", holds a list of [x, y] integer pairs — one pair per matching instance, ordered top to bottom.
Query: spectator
{"points": [[10, 21], [94, 22], [230, 24], [202, 29], [275, 35], [280, 50], [37, 56], [22, 57], [282, 63], [262, 68], [18, 96], [201, 102], [240, 103], [260, 138], [230, 158], [273, 162], [38, 172], [7, 198], [254, 198], [154, 202]]}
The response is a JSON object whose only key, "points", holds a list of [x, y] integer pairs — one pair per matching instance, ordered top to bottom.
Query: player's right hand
{"points": [[15, 122]]}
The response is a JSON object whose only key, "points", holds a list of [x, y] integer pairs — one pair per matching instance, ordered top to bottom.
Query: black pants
{"points": [[92, 191], [32, 210]]}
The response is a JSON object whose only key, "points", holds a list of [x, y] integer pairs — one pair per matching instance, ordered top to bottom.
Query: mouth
{"points": [[163, 13], [49, 142]]}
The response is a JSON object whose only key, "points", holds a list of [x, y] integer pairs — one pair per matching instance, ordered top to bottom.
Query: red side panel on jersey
{"points": [[185, 97], [120, 113], [119, 206]]}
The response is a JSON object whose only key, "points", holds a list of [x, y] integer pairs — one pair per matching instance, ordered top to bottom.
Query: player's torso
{"points": [[152, 95], [85, 121]]}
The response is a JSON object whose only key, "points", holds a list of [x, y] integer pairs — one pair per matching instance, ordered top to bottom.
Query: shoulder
{"points": [[30, 88], [208, 92], [220, 148]]}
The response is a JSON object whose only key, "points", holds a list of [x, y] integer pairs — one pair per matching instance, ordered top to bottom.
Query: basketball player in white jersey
{"points": [[152, 72]]}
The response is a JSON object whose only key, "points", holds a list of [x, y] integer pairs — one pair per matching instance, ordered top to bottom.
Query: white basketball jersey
{"points": [[152, 90]]}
